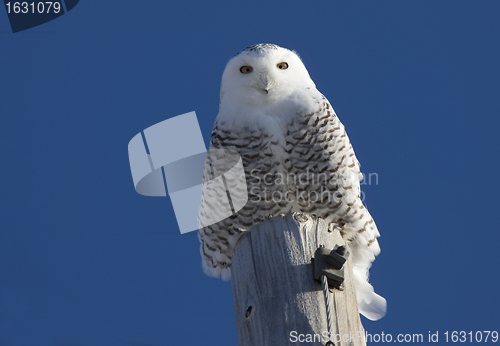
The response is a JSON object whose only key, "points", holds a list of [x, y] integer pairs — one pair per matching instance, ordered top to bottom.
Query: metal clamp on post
{"points": [[330, 263]]}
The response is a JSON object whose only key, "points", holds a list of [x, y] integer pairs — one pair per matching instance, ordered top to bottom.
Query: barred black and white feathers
{"points": [[297, 158]]}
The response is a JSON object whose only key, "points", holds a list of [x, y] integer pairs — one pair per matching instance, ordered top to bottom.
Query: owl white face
{"points": [[263, 74]]}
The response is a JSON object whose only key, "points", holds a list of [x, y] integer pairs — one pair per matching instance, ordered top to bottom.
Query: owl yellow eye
{"points": [[282, 65], [246, 69]]}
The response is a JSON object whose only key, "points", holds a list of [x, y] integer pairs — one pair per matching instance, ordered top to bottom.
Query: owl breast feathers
{"points": [[296, 157]]}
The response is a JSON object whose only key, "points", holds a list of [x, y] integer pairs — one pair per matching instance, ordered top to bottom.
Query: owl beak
{"points": [[264, 83]]}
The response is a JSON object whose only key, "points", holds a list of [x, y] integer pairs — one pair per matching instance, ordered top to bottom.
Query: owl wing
{"points": [[319, 144], [359, 230], [218, 239]]}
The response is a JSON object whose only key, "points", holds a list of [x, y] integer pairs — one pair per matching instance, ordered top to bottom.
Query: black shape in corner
{"points": [[70, 4], [26, 15]]}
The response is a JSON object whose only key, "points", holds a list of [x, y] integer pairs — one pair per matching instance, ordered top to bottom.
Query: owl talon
{"points": [[300, 217], [339, 225]]}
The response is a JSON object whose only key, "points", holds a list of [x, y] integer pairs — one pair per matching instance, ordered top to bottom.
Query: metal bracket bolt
{"points": [[330, 263]]}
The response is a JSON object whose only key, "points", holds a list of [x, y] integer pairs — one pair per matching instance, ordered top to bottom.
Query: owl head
{"points": [[263, 74]]}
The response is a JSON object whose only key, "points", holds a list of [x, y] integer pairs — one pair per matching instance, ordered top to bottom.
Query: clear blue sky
{"points": [[85, 260]]}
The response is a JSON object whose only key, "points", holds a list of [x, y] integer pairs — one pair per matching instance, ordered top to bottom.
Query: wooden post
{"points": [[276, 300]]}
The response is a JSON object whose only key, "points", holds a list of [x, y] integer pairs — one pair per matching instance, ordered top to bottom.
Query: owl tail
{"points": [[370, 304]]}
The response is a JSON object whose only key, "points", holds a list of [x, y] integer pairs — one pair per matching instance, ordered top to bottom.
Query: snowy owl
{"points": [[292, 145]]}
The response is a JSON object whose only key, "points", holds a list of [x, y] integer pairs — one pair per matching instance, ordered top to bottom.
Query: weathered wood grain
{"points": [[275, 296]]}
